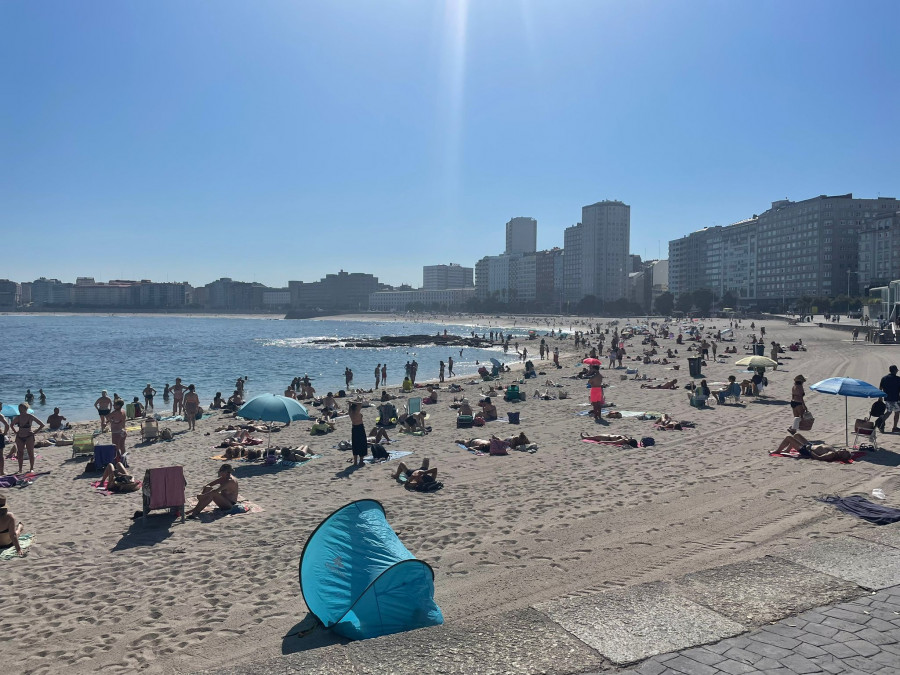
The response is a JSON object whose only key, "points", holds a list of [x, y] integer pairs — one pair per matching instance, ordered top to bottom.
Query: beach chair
{"points": [[512, 393], [733, 394], [413, 406], [865, 429], [149, 430], [82, 444], [103, 455], [164, 489]]}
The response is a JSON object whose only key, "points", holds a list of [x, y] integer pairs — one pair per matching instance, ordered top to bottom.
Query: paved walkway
{"points": [[861, 636]]}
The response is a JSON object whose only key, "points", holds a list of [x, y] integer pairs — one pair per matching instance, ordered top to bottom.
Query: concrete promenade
{"points": [[832, 606]]}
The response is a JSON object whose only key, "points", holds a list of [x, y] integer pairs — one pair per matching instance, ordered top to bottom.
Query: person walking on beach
{"points": [[450, 366], [413, 369], [441, 373], [377, 375], [384, 375], [890, 385], [149, 393], [178, 396], [798, 406], [104, 407], [191, 407], [117, 420], [25, 435], [358, 440]]}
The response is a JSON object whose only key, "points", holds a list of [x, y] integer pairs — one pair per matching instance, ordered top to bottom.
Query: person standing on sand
{"points": [[556, 357], [450, 366], [413, 370], [441, 374], [377, 375], [384, 375], [348, 376], [890, 385], [166, 391], [149, 392], [178, 396], [104, 407], [191, 407], [117, 421], [359, 442]]}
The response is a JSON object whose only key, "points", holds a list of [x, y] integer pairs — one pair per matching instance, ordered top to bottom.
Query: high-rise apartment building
{"points": [[521, 235], [794, 249], [879, 253], [596, 260], [442, 277]]}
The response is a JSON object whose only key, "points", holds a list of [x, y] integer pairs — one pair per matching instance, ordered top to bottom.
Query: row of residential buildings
{"points": [[820, 247]]}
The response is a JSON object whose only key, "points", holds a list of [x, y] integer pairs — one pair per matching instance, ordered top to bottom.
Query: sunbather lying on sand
{"points": [[665, 385], [668, 423], [612, 439], [485, 443], [820, 451], [415, 476]]}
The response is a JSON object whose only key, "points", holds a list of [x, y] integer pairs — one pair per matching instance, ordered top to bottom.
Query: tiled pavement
{"points": [[861, 636]]}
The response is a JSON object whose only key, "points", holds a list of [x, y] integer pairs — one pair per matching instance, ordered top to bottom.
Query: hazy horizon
{"points": [[276, 141]]}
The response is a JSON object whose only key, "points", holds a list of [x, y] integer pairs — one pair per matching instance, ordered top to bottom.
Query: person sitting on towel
{"points": [[665, 385], [432, 395], [488, 410], [415, 422], [612, 439], [820, 451], [115, 472], [415, 477], [225, 496], [9, 535]]}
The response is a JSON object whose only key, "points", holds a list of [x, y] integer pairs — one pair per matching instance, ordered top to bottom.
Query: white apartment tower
{"points": [[521, 235], [596, 258]]}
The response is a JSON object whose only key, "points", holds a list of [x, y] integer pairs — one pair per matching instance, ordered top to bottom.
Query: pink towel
{"points": [[166, 487]]}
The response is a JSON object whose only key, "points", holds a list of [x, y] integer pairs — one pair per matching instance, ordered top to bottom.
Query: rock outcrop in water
{"points": [[411, 340]]}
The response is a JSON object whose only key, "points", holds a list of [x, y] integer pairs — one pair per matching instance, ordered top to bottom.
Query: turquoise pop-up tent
{"points": [[358, 578]]}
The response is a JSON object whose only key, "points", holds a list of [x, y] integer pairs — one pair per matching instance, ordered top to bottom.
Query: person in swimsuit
{"points": [[384, 375], [166, 391], [149, 392], [29, 397], [42, 397], [178, 397], [104, 407], [191, 407], [798, 407], [488, 410], [117, 421], [55, 422], [4, 429], [25, 435], [611, 439], [358, 440], [415, 476], [225, 497], [9, 529]]}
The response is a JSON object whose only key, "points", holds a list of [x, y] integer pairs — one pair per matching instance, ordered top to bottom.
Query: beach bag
{"points": [[563, 394], [614, 414], [513, 417], [464, 421], [478, 421], [806, 422], [166, 434], [647, 441], [344, 445], [498, 447], [379, 451], [271, 457], [91, 466], [123, 484], [428, 484]]}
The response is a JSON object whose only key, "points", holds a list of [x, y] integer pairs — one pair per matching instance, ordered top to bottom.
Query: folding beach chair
{"points": [[413, 406], [865, 429], [149, 430], [82, 444], [103, 455], [164, 489]]}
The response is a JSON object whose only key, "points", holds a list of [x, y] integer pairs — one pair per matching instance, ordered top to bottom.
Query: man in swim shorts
{"points": [[149, 392], [178, 396], [104, 407], [358, 439], [225, 497]]}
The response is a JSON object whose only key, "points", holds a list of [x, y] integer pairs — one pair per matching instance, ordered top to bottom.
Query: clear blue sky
{"points": [[272, 141]]}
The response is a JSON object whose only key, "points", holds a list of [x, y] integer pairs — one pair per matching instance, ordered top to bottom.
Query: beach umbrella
{"points": [[496, 362], [592, 362], [756, 362], [846, 387], [271, 408], [10, 410]]}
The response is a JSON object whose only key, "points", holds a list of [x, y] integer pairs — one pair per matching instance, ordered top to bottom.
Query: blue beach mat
{"points": [[392, 454]]}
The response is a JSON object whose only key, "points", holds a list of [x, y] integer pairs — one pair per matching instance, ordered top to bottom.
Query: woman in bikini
{"points": [[25, 435], [9, 529]]}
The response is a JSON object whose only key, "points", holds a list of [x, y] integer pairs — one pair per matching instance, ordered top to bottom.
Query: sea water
{"points": [[74, 357]]}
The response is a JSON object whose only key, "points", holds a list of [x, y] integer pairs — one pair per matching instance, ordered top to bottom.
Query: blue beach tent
{"points": [[358, 578]]}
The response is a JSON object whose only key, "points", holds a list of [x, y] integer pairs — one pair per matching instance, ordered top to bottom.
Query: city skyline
{"points": [[284, 140]]}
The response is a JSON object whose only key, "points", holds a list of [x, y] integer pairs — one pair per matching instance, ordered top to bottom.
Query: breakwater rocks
{"points": [[410, 340]]}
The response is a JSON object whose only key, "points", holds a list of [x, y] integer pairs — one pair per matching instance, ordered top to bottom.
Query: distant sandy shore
{"points": [[504, 533]]}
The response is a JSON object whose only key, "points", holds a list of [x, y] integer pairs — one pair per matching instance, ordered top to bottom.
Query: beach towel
{"points": [[583, 413], [591, 440], [475, 452], [392, 454], [793, 454], [289, 465], [21, 480], [166, 487], [100, 488], [863, 508], [213, 512], [10, 553]]}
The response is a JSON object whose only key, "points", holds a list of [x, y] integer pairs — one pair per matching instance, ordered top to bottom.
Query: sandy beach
{"points": [[99, 590]]}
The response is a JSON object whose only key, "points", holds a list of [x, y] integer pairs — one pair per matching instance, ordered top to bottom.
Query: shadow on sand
{"points": [[309, 634]]}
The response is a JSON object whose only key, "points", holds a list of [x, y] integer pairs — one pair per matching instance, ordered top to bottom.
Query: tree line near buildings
{"points": [[703, 300]]}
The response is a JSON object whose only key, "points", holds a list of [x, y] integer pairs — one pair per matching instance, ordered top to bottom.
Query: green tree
{"points": [[703, 299], [729, 299], [684, 302], [589, 304], [664, 304]]}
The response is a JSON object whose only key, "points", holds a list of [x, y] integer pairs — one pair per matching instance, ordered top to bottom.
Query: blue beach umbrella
{"points": [[847, 386], [271, 408], [12, 410]]}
